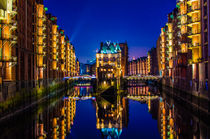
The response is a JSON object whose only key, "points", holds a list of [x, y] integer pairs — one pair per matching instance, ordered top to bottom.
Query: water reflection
{"points": [[111, 115], [114, 115], [62, 118], [178, 119], [166, 121], [58, 122]]}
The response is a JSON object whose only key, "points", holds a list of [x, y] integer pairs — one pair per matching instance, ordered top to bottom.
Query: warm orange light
{"points": [[183, 8], [40, 9], [40, 22], [54, 29], [183, 29], [5, 32], [62, 39], [40, 40], [40, 49], [6, 53], [195, 54], [40, 60], [54, 65], [8, 73], [41, 73]]}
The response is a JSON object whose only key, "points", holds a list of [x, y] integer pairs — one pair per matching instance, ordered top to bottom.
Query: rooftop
{"points": [[109, 48]]}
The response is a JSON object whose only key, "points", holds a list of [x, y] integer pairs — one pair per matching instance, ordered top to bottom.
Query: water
{"points": [[139, 112]]}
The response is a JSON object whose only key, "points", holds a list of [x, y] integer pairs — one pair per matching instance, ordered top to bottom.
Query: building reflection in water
{"points": [[143, 94], [112, 112], [111, 115], [175, 119], [166, 121], [58, 122], [59, 125]]}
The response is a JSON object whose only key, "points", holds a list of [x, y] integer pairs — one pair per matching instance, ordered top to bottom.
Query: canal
{"points": [[138, 111]]}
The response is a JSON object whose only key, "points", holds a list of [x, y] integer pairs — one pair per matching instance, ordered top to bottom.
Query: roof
{"points": [[109, 48], [139, 59]]}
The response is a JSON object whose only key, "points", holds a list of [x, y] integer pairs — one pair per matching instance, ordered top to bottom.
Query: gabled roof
{"points": [[109, 48]]}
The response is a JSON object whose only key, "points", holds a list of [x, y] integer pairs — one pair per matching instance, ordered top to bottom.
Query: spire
{"points": [[118, 48]]}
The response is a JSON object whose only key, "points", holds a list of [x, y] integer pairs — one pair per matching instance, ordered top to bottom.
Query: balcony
{"points": [[190, 1], [193, 10], [14, 11], [13, 22], [193, 22], [179, 24], [13, 27], [192, 34], [14, 38], [11, 40], [167, 46], [191, 46], [40, 53], [8, 59], [191, 61], [40, 66]]}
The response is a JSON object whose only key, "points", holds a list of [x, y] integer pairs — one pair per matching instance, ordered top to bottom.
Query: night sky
{"points": [[88, 22]]}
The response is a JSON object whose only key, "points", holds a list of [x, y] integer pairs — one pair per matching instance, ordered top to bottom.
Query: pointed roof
{"points": [[109, 48]]}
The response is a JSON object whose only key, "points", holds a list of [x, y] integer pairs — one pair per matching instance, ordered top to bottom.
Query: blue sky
{"points": [[88, 22]]}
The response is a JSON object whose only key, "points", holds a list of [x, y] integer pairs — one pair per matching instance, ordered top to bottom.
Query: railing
{"points": [[193, 9], [193, 20], [190, 33], [194, 45], [8, 59], [191, 61], [139, 77]]}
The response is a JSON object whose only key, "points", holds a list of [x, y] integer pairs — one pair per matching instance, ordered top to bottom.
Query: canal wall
{"points": [[187, 88], [26, 97], [192, 101], [186, 114]]}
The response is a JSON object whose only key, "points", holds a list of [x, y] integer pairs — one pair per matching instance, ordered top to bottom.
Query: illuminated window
{"points": [[40, 9], [40, 22], [183, 29], [40, 31], [5, 32], [40, 40], [6, 51]]}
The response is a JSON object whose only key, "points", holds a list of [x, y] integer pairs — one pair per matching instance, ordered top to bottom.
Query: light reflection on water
{"points": [[139, 112]]}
